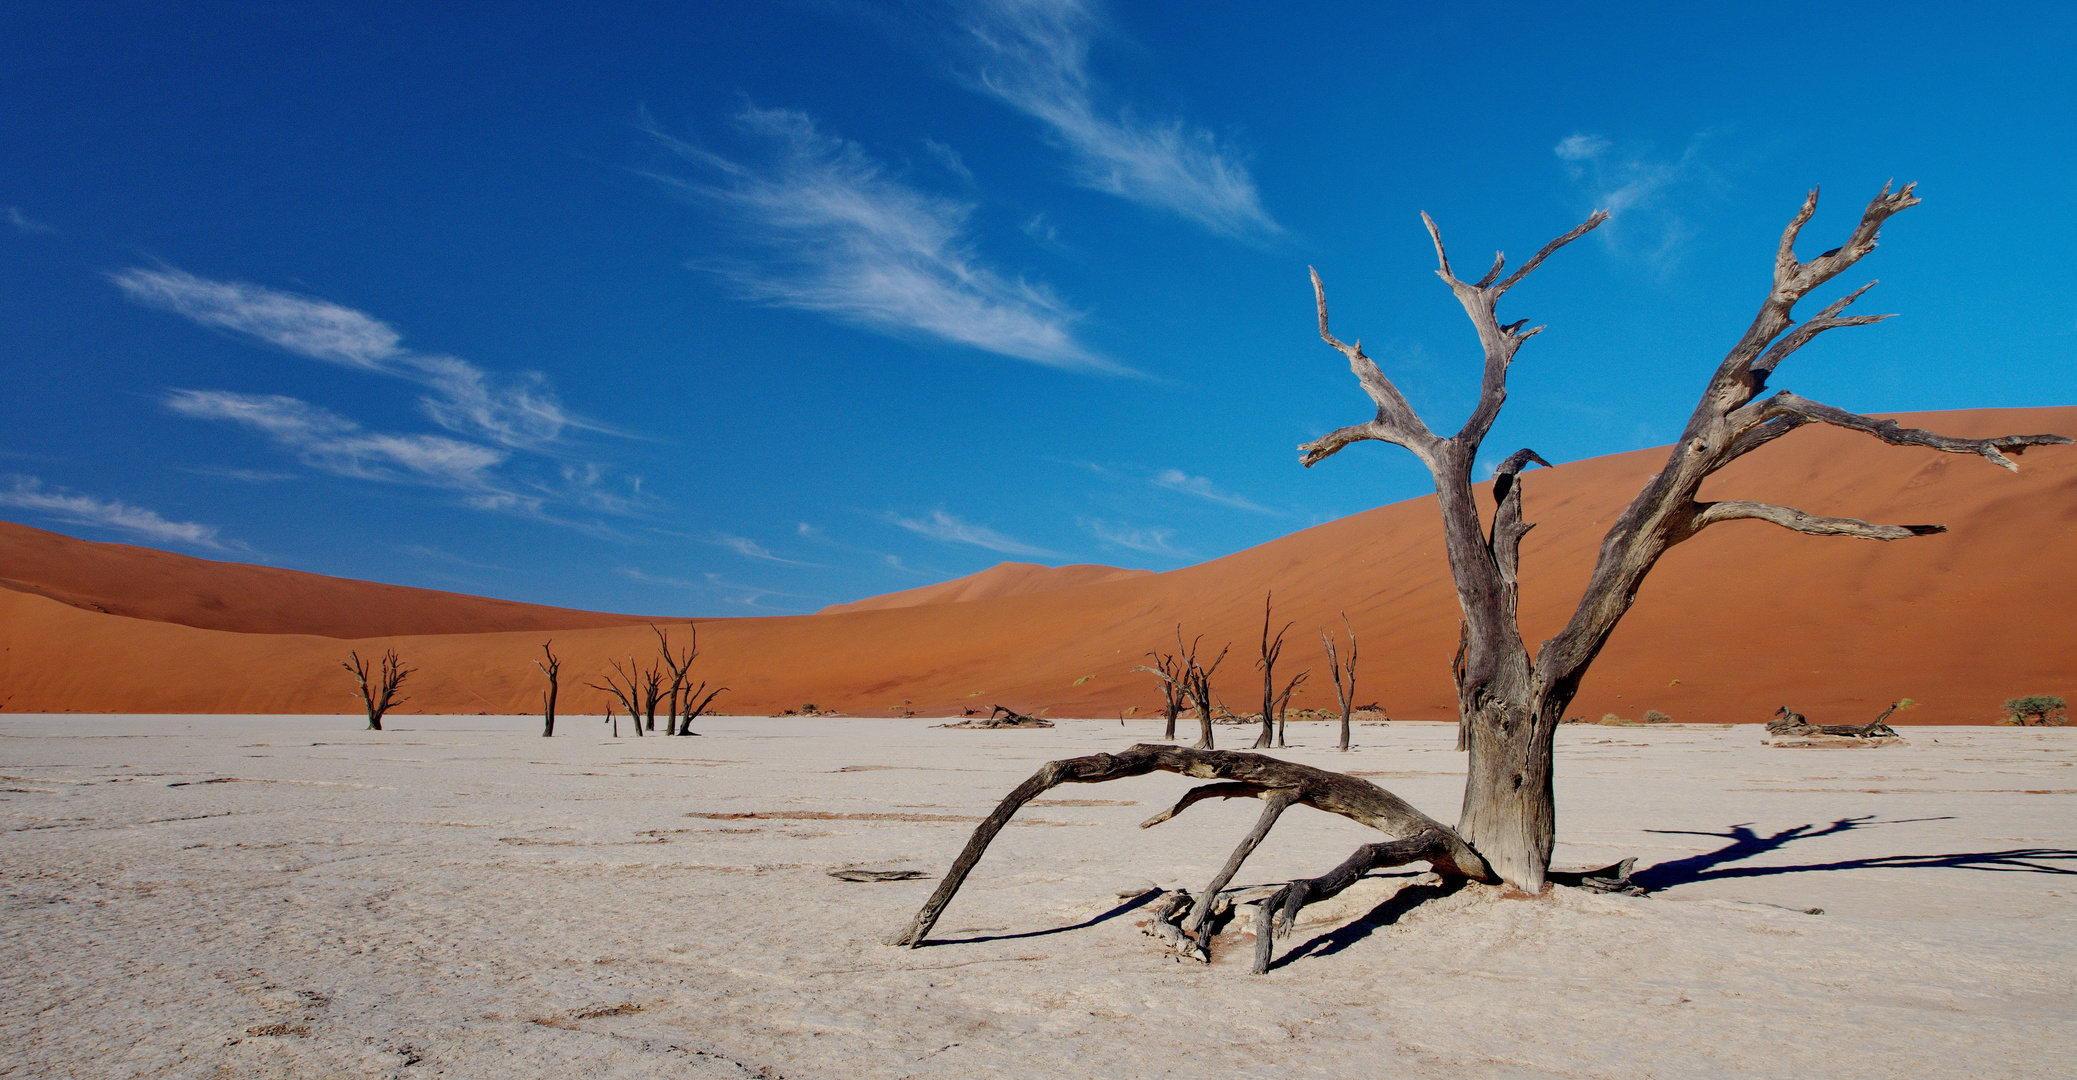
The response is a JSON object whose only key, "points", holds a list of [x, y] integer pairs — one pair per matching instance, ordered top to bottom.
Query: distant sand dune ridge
{"points": [[1730, 625]]}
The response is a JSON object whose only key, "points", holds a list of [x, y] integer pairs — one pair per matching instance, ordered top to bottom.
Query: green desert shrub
{"points": [[2036, 709]]}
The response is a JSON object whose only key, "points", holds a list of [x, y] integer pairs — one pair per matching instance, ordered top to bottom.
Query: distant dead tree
{"points": [[678, 664], [549, 668], [1170, 671], [1344, 675], [624, 683], [1197, 684], [652, 694], [380, 697], [1272, 702], [1510, 705], [692, 710]]}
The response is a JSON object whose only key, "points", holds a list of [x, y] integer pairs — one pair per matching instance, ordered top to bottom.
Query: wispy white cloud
{"points": [[1033, 55], [949, 159], [1638, 188], [26, 224], [846, 240], [520, 411], [324, 440], [249, 476], [1178, 480], [29, 493], [945, 527], [1150, 541], [751, 549], [433, 554], [894, 562], [729, 591]]}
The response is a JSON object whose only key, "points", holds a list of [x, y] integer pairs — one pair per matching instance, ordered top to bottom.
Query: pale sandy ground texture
{"points": [[288, 896]]}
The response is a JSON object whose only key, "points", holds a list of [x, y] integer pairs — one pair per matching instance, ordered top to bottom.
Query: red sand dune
{"points": [[1002, 579], [144, 583], [1740, 620]]}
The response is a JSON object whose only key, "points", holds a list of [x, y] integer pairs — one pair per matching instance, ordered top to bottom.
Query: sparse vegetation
{"points": [[2036, 710]]}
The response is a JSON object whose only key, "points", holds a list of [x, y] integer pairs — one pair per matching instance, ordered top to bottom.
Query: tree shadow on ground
{"points": [[1742, 843], [1409, 897], [1133, 904]]}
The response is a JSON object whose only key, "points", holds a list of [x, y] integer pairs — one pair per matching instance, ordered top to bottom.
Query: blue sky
{"points": [[736, 309]]}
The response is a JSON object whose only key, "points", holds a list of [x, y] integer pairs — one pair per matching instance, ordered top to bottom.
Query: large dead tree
{"points": [[552, 668], [380, 695], [1510, 704]]}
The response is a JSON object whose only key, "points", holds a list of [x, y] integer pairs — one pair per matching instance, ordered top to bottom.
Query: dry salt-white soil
{"points": [[288, 896]]}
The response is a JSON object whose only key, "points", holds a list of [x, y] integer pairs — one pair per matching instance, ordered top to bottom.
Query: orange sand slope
{"points": [[1002, 579], [145, 584], [1731, 624]]}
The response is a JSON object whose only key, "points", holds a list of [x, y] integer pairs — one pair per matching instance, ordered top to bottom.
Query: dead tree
{"points": [[678, 663], [550, 669], [1170, 671], [1344, 675], [1197, 684], [625, 685], [652, 694], [380, 697], [1272, 702], [1509, 705], [693, 711], [1790, 723]]}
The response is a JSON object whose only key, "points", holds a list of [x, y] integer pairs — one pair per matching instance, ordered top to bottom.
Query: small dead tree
{"points": [[678, 663], [549, 668], [1170, 671], [1344, 675], [624, 683], [1197, 684], [652, 694], [380, 696], [1272, 701], [1509, 706], [693, 711]]}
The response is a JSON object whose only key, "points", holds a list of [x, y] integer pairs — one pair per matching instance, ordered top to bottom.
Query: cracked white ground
{"points": [[288, 896]]}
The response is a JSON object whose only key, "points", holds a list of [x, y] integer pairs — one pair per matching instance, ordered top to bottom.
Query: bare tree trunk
{"points": [[550, 668]]}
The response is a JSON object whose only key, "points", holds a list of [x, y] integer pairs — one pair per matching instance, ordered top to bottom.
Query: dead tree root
{"points": [[1187, 923]]}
